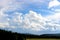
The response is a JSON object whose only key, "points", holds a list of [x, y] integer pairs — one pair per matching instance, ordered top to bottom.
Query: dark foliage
{"points": [[8, 35], [50, 36]]}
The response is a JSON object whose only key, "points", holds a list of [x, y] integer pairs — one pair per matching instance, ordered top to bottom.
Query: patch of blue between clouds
{"points": [[39, 8], [42, 8]]}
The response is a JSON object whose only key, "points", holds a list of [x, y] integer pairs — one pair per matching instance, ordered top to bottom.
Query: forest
{"points": [[9, 35]]}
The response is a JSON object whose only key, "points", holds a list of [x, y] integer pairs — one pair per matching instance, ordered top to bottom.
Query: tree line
{"points": [[9, 35]]}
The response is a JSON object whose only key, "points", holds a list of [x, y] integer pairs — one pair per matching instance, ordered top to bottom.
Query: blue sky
{"points": [[30, 16]]}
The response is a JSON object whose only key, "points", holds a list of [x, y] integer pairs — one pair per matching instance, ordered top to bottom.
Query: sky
{"points": [[30, 16]]}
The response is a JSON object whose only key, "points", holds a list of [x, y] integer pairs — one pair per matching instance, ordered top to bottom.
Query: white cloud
{"points": [[53, 3], [55, 16], [3, 19], [31, 20], [54, 20], [34, 21]]}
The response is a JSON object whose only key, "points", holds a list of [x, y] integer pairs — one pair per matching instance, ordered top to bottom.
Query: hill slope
{"points": [[8, 35]]}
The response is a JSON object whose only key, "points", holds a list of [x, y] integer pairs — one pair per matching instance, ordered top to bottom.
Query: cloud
{"points": [[53, 3], [55, 16], [55, 20], [32, 21], [29, 22]]}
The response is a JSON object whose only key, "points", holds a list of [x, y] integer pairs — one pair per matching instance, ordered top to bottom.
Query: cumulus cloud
{"points": [[53, 3], [54, 16], [31, 20], [55, 20], [35, 21], [38, 23]]}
